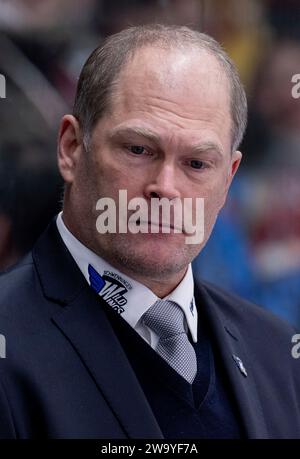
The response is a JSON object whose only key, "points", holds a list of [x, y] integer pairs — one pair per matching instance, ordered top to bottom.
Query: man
{"points": [[107, 334]]}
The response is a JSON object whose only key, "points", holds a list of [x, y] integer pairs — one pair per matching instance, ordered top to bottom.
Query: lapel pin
{"points": [[240, 365]]}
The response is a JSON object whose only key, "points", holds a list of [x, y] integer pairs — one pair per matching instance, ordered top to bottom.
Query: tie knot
{"points": [[165, 318]]}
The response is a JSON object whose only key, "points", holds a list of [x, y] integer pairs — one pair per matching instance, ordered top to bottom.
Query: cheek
{"points": [[106, 174], [112, 176], [213, 202]]}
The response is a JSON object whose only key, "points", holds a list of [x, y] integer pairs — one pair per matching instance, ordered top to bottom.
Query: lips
{"points": [[158, 224]]}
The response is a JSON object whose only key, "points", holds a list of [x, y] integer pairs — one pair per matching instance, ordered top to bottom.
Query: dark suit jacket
{"points": [[66, 375]]}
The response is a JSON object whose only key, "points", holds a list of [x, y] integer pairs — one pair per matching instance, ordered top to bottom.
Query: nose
{"points": [[162, 183]]}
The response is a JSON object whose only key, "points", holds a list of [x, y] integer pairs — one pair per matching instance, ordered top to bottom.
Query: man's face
{"points": [[167, 135]]}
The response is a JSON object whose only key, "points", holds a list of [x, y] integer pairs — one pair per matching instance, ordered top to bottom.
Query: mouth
{"points": [[161, 226]]}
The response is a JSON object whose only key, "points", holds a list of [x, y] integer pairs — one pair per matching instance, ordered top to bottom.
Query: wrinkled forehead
{"points": [[191, 76]]}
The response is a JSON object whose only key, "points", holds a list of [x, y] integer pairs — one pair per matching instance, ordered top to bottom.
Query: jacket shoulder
{"points": [[16, 278], [20, 293]]}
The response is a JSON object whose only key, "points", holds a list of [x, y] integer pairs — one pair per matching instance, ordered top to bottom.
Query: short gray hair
{"points": [[103, 67]]}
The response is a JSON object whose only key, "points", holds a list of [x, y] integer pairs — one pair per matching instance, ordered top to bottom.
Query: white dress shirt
{"points": [[126, 295]]}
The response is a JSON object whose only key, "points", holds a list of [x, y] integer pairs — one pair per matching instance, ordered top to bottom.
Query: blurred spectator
{"points": [[32, 16], [112, 16], [284, 17], [242, 29], [277, 110], [30, 190], [254, 250]]}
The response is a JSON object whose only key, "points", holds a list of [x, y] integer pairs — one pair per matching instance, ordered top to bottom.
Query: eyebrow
{"points": [[135, 130], [147, 133], [208, 146]]}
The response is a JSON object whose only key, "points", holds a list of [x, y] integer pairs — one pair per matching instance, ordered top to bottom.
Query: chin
{"points": [[151, 256], [155, 263], [154, 269]]}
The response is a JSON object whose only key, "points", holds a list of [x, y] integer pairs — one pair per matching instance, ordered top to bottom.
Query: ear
{"points": [[69, 147], [235, 161]]}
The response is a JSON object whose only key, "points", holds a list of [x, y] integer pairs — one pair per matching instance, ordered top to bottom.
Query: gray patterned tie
{"points": [[166, 319]]}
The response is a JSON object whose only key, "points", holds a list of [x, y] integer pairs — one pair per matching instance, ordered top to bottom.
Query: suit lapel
{"points": [[84, 323], [236, 362]]}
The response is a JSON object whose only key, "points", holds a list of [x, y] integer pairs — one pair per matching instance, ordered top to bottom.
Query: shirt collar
{"points": [[129, 297]]}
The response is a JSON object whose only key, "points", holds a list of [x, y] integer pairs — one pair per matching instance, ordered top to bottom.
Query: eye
{"points": [[137, 149], [197, 164]]}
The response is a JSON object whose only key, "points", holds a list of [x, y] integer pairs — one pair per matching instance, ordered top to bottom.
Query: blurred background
{"points": [[255, 248]]}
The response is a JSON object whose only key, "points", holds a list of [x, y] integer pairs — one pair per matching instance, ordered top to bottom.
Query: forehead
{"points": [[193, 73], [174, 88]]}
